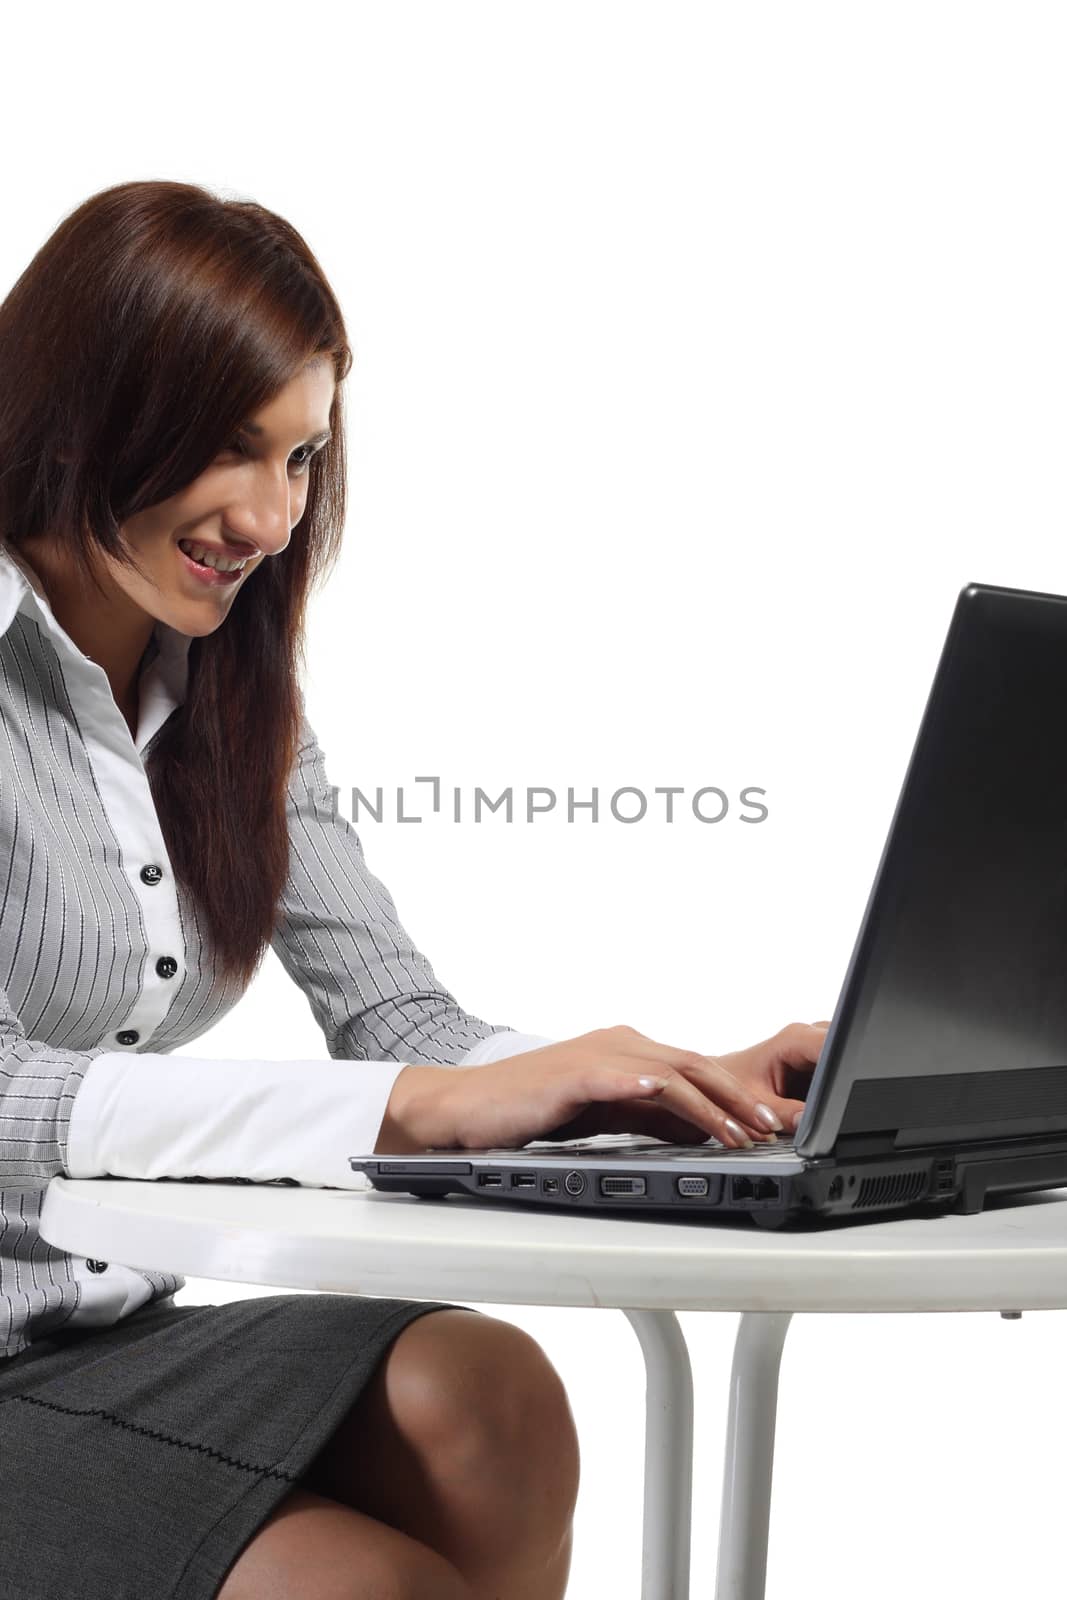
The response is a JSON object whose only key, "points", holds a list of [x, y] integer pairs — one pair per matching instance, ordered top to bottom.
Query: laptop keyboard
{"points": [[783, 1142], [605, 1144], [713, 1147]]}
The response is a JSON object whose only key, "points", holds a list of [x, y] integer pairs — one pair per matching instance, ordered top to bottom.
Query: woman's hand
{"points": [[778, 1069], [613, 1080]]}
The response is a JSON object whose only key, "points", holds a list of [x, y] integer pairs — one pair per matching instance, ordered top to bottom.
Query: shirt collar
{"points": [[165, 674]]}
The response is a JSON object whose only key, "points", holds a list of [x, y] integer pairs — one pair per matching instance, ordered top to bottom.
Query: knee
{"points": [[489, 1398]]}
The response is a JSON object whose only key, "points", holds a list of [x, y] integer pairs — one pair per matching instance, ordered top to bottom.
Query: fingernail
{"points": [[652, 1083], [767, 1116], [796, 1118], [738, 1132]]}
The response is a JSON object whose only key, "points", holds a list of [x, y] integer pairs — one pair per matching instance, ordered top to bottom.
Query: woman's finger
{"points": [[712, 1081], [615, 1082], [704, 1092], [722, 1113], [662, 1122]]}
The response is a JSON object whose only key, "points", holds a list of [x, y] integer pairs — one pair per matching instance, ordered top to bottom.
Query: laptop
{"points": [[943, 1077]]}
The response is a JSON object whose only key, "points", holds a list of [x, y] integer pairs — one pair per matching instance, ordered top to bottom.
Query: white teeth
{"points": [[210, 558]]}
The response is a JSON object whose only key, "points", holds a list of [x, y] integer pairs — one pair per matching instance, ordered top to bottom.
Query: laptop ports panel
{"points": [[593, 1190]]}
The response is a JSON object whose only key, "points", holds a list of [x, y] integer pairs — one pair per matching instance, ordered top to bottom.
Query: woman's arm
{"points": [[374, 995], [105, 1112], [157, 1116]]}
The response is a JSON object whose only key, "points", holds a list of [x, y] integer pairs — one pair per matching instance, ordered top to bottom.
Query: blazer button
{"points": [[151, 874], [166, 966], [128, 1036], [97, 1266]]}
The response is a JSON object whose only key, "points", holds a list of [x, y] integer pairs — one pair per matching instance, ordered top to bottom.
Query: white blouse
{"points": [[105, 968]]}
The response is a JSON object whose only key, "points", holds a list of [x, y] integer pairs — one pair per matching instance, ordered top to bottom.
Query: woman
{"points": [[170, 399]]}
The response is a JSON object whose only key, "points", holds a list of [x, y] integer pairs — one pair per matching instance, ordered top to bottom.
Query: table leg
{"points": [[668, 1455], [746, 1491]]}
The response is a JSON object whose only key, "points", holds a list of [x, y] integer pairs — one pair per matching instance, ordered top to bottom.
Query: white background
{"points": [[703, 354]]}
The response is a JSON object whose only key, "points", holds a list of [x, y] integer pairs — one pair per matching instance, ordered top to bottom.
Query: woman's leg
{"points": [[464, 1441], [311, 1548]]}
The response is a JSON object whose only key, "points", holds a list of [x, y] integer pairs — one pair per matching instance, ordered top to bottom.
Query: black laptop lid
{"points": [[951, 1025]]}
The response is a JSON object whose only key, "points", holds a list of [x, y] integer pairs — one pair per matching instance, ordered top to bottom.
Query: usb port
{"points": [[490, 1180], [524, 1180]]}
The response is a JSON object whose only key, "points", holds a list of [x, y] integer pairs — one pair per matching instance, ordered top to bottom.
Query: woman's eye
{"points": [[301, 465]]}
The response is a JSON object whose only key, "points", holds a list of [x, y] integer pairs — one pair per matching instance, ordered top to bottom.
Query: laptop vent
{"points": [[892, 1187]]}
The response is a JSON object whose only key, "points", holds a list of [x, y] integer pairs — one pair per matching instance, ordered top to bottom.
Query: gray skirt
{"points": [[137, 1461]]}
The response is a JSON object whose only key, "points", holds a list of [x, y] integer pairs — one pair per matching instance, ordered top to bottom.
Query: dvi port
{"points": [[622, 1185]]}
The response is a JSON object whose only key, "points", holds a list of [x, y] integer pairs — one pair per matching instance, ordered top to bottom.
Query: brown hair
{"points": [[151, 324]]}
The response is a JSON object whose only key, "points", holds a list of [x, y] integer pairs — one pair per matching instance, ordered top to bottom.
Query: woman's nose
{"points": [[264, 518]]}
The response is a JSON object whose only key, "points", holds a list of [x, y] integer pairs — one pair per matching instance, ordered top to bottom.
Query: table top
{"points": [[1009, 1257]]}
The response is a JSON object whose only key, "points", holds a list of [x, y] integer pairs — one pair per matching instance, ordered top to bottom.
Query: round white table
{"points": [[1009, 1258]]}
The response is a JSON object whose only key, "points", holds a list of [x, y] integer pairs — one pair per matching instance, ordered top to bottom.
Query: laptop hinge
{"points": [[880, 1143]]}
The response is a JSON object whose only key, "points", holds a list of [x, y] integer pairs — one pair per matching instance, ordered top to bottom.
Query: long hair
{"points": [[153, 321]]}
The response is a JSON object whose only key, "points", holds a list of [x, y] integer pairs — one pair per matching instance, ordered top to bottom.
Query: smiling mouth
{"points": [[204, 557], [206, 573]]}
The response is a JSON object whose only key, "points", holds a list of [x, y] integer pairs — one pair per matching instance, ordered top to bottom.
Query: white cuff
{"points": [[161, 1116]]}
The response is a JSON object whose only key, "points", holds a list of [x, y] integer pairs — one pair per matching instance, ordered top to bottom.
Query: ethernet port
{"points": [[755, 1188]]}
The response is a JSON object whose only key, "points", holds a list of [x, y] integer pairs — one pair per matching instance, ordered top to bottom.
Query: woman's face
{"points": [[244, 505]]}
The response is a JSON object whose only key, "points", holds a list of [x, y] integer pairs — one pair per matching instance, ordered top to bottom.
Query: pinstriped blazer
{"points": [[100, 949]]}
